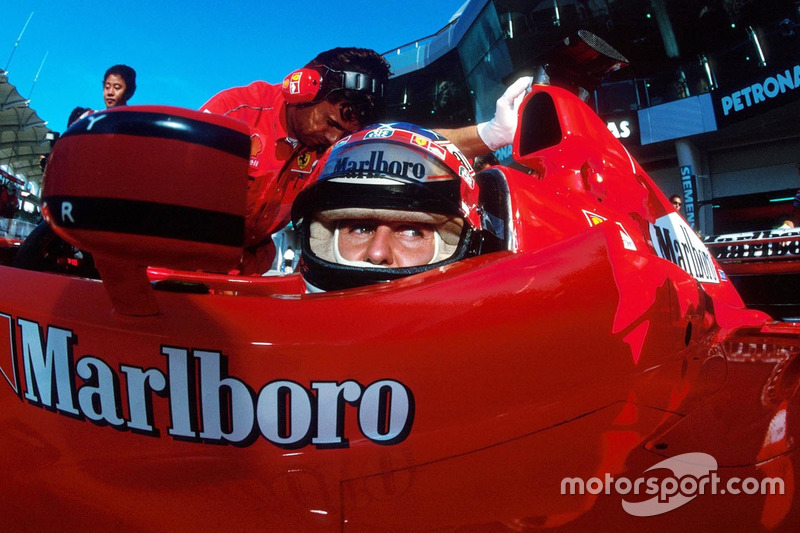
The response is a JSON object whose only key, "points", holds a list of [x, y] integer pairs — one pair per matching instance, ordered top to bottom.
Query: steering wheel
{"points": [[44, 251]]}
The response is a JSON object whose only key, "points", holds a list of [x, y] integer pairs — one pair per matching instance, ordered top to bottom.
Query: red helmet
{"points": [[388, 173]]}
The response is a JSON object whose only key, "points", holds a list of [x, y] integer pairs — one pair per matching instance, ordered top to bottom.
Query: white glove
{"points": [[500, 130]]}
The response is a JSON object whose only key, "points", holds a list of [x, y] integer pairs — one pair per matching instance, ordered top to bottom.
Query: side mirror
{"points": [[147, 186]]}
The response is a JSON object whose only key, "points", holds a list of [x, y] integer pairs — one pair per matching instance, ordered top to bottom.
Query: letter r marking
{"points": [[66, 212]]}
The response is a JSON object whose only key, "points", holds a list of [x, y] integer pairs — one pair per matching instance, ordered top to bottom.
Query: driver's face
{"points": [[114, 88], [320, 125], [381, 242]]}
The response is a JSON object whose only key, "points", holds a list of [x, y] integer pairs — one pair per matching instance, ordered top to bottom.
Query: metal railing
{"points": [[11, 228]]}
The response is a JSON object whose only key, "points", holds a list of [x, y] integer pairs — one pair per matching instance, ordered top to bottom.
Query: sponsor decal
{"points": [[294, 82], [379, 133], [343, 140], [256, 145], [438, 150], [377, 163], [465, 171], [467, 176], [627, 241], [676, 242], [205, 403]]}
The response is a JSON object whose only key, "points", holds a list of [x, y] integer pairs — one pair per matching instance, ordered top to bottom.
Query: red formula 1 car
{"points": [[593, 370]]}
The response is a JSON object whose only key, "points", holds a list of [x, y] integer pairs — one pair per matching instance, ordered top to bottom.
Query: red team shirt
{"points": [[279, 166]]}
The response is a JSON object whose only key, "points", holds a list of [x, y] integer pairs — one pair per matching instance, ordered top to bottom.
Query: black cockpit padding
{"points": [[495, 200]]}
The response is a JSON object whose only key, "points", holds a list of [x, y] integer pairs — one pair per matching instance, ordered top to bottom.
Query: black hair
{"points": [[127, 74], [363, 106], [76, 114], [485, 160]]}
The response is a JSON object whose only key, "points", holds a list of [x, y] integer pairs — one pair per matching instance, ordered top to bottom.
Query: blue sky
{"points": [[185, 51]]}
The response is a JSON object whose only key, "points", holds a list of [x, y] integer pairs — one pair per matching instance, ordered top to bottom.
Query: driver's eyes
{"points": [[360, 228], [365, 228], [410, 231]]}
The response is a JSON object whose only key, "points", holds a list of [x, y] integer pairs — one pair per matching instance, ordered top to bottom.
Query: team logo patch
{"points": [[424, 142], [303, 160], [593, 218]]}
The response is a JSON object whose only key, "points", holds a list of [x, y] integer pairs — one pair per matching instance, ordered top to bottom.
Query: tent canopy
{"points": [[24, 137]]}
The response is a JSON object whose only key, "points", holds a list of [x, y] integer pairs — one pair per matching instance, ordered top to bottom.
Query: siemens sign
{"points": [[758, 96]]}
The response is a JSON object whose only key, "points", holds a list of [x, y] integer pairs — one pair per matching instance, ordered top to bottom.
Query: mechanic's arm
{"points": [[496, 133]]}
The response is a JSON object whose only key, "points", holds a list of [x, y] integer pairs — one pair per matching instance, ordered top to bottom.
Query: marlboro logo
{"points": [[377, 164], [675, 241], [205, 403]]}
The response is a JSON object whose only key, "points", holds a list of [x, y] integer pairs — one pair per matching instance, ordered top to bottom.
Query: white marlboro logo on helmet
{"points": [[675, 241]]}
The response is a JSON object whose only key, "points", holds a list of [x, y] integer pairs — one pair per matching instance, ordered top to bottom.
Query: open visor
{"points": [[344, 235]]}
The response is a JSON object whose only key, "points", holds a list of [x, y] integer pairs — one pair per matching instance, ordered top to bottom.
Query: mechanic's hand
{"points": [[500, 130]]}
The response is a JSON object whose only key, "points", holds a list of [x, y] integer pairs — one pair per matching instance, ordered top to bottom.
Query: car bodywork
{"points": [[596, 338]]}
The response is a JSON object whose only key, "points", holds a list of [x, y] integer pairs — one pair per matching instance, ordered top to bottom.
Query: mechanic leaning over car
{"points": [[337, 93], [386, 202]]}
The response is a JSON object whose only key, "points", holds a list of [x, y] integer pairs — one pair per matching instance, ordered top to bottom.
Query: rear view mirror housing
{"points": [[147, 186]]}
